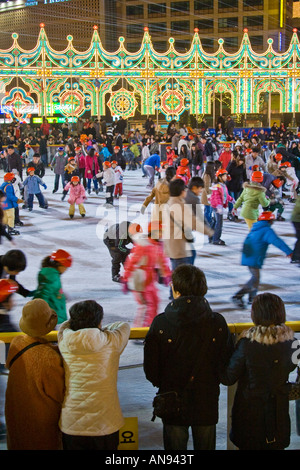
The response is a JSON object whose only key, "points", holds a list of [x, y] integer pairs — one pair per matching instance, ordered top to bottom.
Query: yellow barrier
{"points": [[140, 333]]}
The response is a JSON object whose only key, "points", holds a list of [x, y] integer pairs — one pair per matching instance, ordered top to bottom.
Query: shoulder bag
{"points": [[22, 351]]}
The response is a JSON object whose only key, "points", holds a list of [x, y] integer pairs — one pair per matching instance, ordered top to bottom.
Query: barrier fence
{"points": [[130, 431]]}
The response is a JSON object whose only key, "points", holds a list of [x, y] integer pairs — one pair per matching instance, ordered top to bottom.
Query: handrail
{"points": [[140, 333]]}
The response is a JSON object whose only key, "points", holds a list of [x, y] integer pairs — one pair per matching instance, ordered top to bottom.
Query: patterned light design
{"points": [[169, 83]]}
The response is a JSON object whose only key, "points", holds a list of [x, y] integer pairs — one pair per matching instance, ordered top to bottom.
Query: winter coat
{"points": [[105, 153], [225, 158], [80, 160], [153, 160], [14, 161], [250, 161], [58, 163], [91, 166], [118, 175], [237, 175], [108, 176], [33, 184], [160, 192], [77, 193], [220, 196], [252, 197], [11, 200], [295, 217], [179, 222], [256, 244], [146, 259], [50, 289], [187, 331], [91, 358], [261, 365], [34, 395]]}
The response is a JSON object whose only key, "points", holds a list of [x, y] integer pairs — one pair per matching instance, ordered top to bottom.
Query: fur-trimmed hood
{"points": [[254, 186], [269, 335]]}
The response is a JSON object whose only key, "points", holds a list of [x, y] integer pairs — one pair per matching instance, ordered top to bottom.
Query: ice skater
{"points": [[33, 183], [77, 196], [254, 253], [141, 270]]}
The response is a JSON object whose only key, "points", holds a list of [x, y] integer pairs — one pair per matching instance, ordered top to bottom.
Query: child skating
{"points": [[118, 179], [33, 183], [77, 196], [254, 253], [141, 270]]}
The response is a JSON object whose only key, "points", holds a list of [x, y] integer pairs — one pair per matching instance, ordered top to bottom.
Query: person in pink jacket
{"points": [[91, 169], [77, 196], [219, 201], [142, 267]]}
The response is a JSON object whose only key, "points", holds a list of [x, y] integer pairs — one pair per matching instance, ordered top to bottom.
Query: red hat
{"points": [[116, 147], [168, 148], [77, 149], [248, 150], [278, 157], [71, 158], [114, 162], [184, 162], [163, 163], [108, 164], [285, 165], [255, 168], [30, 169], [221, 172], [9, 176], [257, 176], [75, 179], [277, 183], [266, 215], [134, 228], [62, 257], [7, 287]]}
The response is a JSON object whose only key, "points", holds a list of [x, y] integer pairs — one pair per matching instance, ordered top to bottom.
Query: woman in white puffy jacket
{"points": [[91, 415]]}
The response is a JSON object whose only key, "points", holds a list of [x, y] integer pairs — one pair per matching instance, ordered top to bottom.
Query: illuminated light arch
{"points": [[168, 83], [221, 86], [269, 87]]}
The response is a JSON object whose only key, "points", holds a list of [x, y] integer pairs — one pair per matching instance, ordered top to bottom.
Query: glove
{"points": [[198, 167], [51, 169], [45, 186], [20, 201], [143, 208]]}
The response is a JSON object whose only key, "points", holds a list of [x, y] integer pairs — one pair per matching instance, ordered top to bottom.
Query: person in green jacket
{"points": [[252, 197], [295, 218], [49, 282]]}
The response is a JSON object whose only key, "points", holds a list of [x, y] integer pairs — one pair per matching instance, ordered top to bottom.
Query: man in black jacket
{"points": [[14, 161], [187, 335]]}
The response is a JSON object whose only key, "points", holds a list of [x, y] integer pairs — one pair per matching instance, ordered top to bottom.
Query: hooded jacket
{"points": [[252, 197], [257, 242], [50, 289], [188, 331], [91, 359], [261, 364]]}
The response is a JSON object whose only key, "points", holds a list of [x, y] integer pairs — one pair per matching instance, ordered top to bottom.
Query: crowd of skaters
{"points": [[258, 172]]}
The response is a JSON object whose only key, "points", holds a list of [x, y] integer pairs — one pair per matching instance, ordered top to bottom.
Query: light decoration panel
{"points": [[170, 83]]}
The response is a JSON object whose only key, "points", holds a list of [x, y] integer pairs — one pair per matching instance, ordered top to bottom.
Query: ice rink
{"points": [[90, 275], [90, 278]]}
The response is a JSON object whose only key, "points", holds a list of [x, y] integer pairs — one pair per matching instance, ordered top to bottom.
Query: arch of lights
{"points": [[44, 80]]}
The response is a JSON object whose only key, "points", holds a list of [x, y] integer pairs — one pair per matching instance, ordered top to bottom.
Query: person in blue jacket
{"points": [[150, 166], [33, 183], [10, 203], [254, 253]]}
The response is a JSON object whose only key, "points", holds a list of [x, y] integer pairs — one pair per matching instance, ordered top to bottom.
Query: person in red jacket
{"points": [[225, 156], [141, 274]]}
